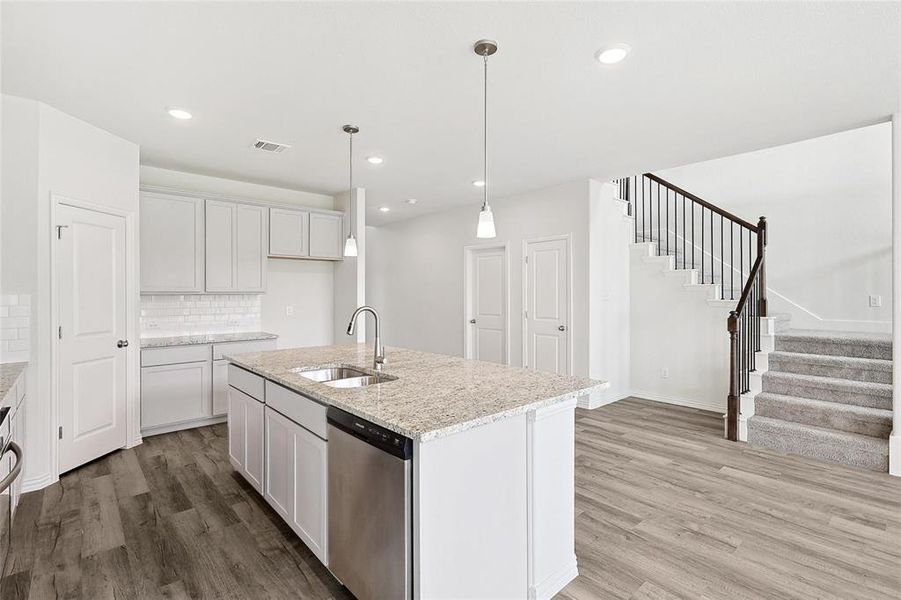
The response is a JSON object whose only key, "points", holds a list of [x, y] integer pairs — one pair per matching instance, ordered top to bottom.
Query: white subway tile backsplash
{"points": [[209, 313], [15, 327]]}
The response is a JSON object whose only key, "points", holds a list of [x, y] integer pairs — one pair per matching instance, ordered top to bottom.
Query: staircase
{"points": [[824, 395], [827, 395]]}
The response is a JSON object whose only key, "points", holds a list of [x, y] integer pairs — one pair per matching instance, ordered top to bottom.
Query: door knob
{"points": [[473, 321], [562, 328], [122, 343]]}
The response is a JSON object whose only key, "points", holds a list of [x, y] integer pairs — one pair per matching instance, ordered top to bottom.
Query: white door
{"points": [[90, 266], [487, 281], [547, 306]]}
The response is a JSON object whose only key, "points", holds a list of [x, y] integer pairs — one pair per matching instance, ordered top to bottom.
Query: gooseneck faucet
{"points": [[379, 360]]}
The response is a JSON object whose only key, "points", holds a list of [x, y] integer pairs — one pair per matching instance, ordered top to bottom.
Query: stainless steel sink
{"points": [[329, 373], [343, 377], [362, 381]]}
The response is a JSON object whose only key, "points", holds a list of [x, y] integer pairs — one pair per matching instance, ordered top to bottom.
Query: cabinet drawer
{"points": [[240, 347], [152, 357], [247, 382], [300, 409]]}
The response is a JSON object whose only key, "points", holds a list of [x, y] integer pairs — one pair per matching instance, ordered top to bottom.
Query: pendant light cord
{"points": [[485, 134], [350, 189]]}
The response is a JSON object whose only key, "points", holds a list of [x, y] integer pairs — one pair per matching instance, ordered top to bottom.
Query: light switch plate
{"points": [[875, 301], [289, 310], [664, 373]]}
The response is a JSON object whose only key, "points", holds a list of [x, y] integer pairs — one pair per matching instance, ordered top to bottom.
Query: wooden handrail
{"points": [[704, 203], [745, 293]]}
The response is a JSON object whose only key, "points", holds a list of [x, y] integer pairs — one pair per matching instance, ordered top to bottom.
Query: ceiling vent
{"points": [[267, 146]]}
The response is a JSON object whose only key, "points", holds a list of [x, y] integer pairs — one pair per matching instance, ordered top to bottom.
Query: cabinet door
{"points": [[172, 233], [289, 233], [326, 238], [220, 246], [250, 248], [220, 388], [175, 394], [237, 427], [253, 453], [279, 489], [310, 513]]}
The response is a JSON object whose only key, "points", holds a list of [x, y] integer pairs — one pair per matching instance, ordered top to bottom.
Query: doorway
{"points": [[487, 294], [546, 305], [92, 358]]}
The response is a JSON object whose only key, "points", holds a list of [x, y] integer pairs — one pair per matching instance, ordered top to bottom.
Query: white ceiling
{"points": [[703, 81]]}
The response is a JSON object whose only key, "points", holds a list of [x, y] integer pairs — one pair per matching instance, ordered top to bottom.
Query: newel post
{"points": [[762, 241], [733, 405]]}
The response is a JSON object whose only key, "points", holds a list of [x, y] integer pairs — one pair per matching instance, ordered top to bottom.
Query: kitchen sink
{"points": [[342, 377]]}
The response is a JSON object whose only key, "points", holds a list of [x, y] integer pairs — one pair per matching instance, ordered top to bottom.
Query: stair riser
{"points": [[834, 348], [784, 365], [785, 388], [826, 418], [815, 445]]}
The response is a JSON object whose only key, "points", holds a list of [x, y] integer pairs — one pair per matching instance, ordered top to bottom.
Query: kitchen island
{"points": [[492, 477]]}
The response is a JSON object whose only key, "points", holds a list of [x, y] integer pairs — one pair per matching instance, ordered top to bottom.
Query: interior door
{"points": [[90, 265], [488, 305], [547, 306]]}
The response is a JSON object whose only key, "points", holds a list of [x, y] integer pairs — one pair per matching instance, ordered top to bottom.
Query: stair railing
{"points": [[720, 246]]}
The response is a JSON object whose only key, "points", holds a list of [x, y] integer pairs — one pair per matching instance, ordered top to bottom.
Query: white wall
{"points": [[63, 156], [828, 207], [415, 269], [350, 273], [305, 285]]}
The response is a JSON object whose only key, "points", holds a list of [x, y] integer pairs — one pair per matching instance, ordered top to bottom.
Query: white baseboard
{"points": [[599, 399], [687, 402], [186, 425], [894, 454], [32, 484], [554, 583]]}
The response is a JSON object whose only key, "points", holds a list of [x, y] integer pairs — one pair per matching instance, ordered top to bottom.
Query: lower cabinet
{"points": [[220, 387], [174, 393], [245, 436], [296, 483]]}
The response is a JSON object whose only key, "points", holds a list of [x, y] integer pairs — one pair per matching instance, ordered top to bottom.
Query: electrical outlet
{"points": [[875, 301], [289, 310], [153, 325], [664, 373]]}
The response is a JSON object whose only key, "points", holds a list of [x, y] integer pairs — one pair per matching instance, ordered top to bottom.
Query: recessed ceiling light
{"points": [[613, 54], [179, 113], [375, 160], [478, 183], [412, 201], [384, 209]]}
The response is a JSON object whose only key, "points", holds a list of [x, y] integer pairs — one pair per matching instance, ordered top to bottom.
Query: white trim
{"points": [[162, 189], [467, 296], [570, 308], [132, 311], [675, 400], [590, 402], [150, 431], [894, 454], [37, 483], [554, 584]]}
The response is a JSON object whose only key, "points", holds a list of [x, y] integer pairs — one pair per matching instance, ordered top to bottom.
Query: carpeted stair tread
{"points": [[836, 343], [874, 370], [831, 389], [851, 418], [861, 451]]}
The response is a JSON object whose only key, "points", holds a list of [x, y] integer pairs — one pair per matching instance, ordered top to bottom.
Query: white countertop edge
{"points": [[420, 436]]}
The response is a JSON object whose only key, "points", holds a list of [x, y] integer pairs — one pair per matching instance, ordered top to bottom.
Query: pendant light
{"points": [[485, 229], [350, 244]]}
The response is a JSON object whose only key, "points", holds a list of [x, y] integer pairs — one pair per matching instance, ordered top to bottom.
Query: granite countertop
{"points": [[205, 338], [10, 374], [434, 394]]}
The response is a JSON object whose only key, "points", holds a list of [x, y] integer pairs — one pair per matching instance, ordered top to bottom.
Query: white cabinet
{"points": [[289, 233], [172, 234], [326, 239], [235, 247], [221, 370], [220, 388], [175, 393], [245, 436], [296, 484]]}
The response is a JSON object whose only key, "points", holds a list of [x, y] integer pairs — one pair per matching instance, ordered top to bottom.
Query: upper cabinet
{"points": [[305, 234], [172, 241], [235, 247]]}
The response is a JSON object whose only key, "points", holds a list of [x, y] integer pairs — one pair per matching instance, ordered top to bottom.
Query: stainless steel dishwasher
{"points": [[370, 522]]}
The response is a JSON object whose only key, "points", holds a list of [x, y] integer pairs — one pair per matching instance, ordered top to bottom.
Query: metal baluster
{"points": [[635, 214], [658, 219], [666, 231], [684, 234], [692, 234], [702, 244], [712, 244], [731, 259], [741, 260], [722, 279]]}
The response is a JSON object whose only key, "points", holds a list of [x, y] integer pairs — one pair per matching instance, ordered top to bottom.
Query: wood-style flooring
{"points": [[665, 508]]}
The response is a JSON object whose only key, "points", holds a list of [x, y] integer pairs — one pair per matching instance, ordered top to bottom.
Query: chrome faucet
{"points": [[379, 360]]}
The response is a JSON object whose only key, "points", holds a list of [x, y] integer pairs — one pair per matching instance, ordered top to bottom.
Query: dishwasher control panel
{"points": [[380, 437]]}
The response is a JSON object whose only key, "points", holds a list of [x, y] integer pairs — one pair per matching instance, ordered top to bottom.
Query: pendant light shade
{"points": [[485, 228], [350, 244]]}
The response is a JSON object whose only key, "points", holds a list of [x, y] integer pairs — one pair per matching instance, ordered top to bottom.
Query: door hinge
{"points": [[59, 231], [526, 258], [525, 314], [60, 332], [60, 432]]}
